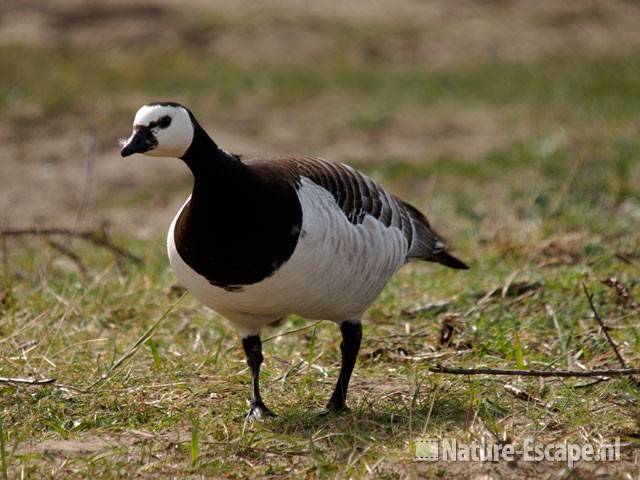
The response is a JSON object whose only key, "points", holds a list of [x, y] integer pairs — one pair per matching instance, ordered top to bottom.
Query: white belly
{"points": [[335, 273]]}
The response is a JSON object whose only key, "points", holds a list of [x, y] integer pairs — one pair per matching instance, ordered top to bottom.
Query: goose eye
{"points": [[164, 122]]}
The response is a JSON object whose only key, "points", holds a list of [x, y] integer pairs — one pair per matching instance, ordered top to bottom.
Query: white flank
{"points": [[335, 273]]}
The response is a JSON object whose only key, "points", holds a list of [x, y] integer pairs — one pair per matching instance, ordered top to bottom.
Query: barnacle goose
{"points": [[263, 238]]}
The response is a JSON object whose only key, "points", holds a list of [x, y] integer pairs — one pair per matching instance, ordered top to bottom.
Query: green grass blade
{"points": [[136, 346]]}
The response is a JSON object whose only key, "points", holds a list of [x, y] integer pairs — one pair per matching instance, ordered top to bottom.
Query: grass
{"points": [[573, 85], [148, 387], [177, 404], [3, 452]]}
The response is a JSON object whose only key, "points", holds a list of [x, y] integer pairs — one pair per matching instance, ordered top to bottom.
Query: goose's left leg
{"points": [[350, 346]]}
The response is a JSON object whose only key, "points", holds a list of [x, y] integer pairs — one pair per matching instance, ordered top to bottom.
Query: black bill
{"points": [[141, 141]]}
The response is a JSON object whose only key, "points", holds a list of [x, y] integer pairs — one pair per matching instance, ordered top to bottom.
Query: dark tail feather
{"points": [[449, 260]]}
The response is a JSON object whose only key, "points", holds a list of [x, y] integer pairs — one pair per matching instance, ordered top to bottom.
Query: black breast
{"points": [[239, 229]]}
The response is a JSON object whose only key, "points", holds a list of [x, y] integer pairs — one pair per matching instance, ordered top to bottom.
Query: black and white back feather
{"points": [[358, 196]]}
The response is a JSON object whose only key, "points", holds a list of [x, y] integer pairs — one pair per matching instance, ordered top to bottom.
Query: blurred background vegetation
{"points": [[492, 115], [513, 124]]}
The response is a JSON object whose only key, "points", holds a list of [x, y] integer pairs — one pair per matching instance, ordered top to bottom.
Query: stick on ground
{"points": [[98, 237], [598, 318], [605, 330], [614, 372], [26, 381]]}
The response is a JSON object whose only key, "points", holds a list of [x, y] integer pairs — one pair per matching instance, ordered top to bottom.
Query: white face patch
{"points": [[173, 136]]}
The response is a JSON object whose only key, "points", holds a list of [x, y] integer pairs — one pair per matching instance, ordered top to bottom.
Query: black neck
{"points": [[205, 159], [240, 224]]}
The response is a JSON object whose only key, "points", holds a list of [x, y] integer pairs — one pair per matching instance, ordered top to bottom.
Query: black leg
{"points": [[350, 346], [253, 349]]}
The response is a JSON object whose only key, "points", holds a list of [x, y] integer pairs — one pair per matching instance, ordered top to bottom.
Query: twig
{"points": [[96, 237], [69, 254], [621, 359], [623, 364], [614, 372], [26, 381]]}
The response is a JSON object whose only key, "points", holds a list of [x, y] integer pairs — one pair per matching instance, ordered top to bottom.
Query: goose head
{"points": [[160, 130]]}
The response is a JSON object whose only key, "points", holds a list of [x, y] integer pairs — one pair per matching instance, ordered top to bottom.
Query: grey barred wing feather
{"points": [[358, 196]]}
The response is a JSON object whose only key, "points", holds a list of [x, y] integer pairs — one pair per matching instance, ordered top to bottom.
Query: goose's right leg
{"points": [[253, 350]]}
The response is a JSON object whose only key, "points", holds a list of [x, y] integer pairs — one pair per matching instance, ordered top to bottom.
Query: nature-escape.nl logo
{"points": [[452, 450]]}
